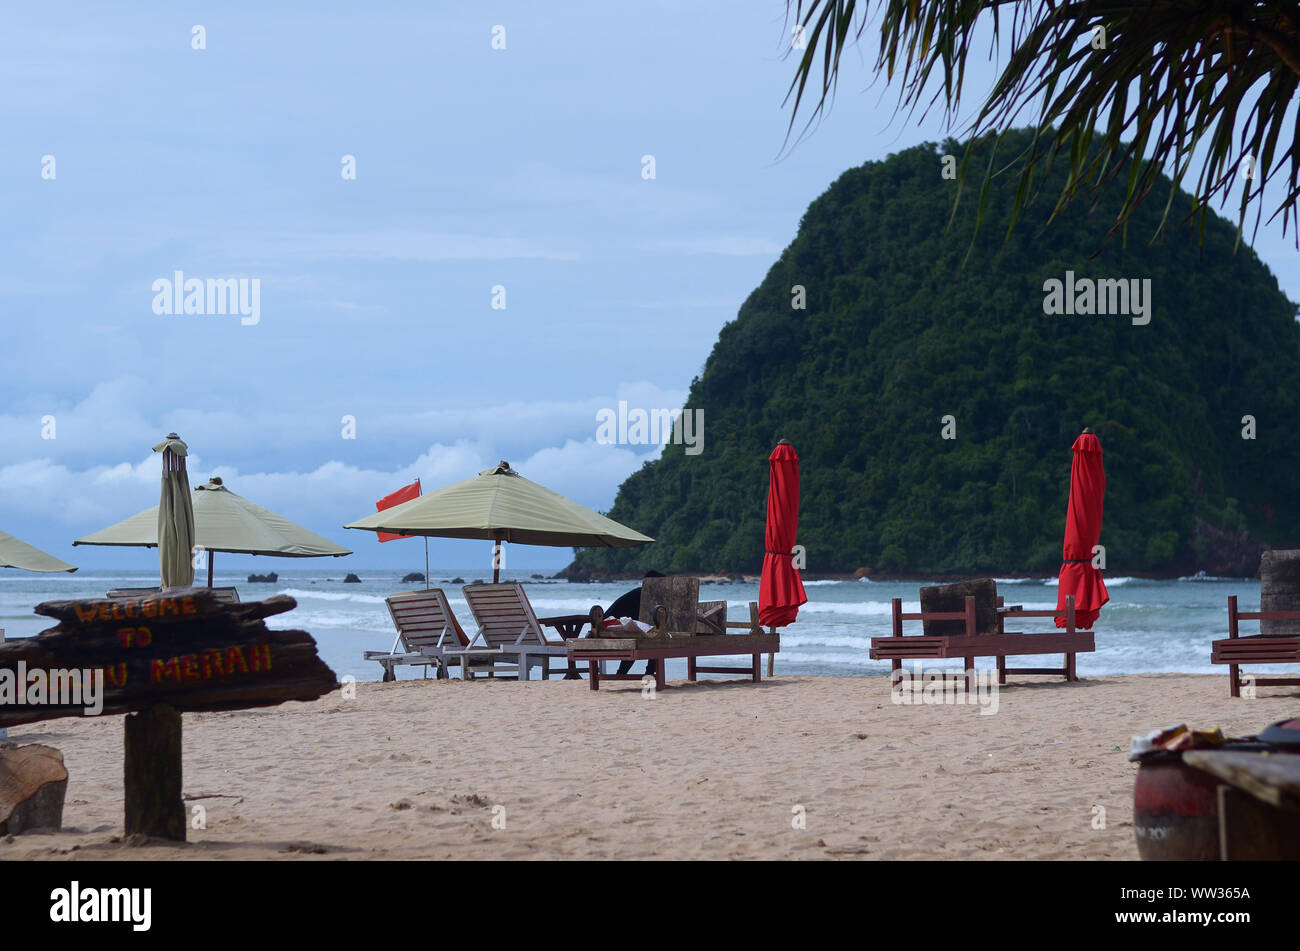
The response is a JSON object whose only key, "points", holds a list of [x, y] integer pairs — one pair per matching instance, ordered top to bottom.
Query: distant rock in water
{"points": [[413, 576], [539, 577], [269, 578], [351, 579], [457, 580]]}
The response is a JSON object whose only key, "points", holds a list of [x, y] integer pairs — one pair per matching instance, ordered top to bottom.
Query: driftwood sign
{"points": [[185, 649], [154, 657]]}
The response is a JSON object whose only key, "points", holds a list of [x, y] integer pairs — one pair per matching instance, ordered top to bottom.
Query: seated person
{"points": [[629, 605]]}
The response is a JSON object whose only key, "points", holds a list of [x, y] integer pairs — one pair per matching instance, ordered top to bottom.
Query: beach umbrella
{"points": [[500, 505], [175, 521], [224, 521], [15, 553], [1079, 576], [780, 590]]}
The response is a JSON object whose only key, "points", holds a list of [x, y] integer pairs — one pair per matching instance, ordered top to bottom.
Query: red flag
{"points": [[404, 494]]}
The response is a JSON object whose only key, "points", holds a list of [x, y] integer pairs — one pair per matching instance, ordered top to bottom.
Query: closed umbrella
{"points": [[502, 506], [224, 521], [175, 522], [16, 553], [1079, 577], [780, 590]]}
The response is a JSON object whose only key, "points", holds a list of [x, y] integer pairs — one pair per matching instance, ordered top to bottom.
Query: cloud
{"points": [[119, 418]]}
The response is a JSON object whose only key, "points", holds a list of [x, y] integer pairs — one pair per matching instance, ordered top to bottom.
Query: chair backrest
{"points": [[224, 595], [680, 599], [502, 613], [420, 618]]}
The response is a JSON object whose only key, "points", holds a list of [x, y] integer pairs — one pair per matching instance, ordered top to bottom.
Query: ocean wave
{"points": [[811, 584], [358, 598], [793, 641]]}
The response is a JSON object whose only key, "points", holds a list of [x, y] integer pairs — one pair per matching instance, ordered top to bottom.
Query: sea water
{"points": [[1148, 626]]}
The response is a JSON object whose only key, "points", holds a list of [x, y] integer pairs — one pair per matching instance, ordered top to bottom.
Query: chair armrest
{"points": [[568, 625]]}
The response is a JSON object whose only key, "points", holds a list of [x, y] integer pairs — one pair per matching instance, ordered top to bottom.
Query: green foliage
{"points": [[898, 334]]}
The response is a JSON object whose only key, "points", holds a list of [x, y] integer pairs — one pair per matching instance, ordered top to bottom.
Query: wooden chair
{"points": [[224, 595], [506, 621], [682, 627], [430, 636], [970, 643], [1236, 649]]}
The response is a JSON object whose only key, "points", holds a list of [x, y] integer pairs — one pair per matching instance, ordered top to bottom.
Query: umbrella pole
{"points": [[210, 560], [496, 561], [426, 563]]}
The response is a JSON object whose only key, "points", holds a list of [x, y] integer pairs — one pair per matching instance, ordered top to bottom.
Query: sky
{"points": [[381, 351]]}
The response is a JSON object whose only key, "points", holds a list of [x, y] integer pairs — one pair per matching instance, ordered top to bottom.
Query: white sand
{"points": [[418, 769]]}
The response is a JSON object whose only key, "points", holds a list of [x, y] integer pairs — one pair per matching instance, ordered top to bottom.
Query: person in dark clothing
{"points": [[629, 605]]}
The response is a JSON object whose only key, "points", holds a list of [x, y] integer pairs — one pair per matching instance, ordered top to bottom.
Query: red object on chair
{"points": [[1079, 576], [780, 591]]}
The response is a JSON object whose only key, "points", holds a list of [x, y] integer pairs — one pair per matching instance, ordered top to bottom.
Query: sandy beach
{"points": [[714, 770]]}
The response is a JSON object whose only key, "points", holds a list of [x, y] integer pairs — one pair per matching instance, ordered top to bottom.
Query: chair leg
{"points": [[1002, 671], [1234, 682]]}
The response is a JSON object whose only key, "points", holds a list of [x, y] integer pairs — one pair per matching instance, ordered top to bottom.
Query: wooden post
{"points": [[771, 658], [153, 773]]}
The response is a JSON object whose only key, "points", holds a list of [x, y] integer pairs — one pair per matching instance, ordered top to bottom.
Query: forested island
{"points": [[901, 343]]}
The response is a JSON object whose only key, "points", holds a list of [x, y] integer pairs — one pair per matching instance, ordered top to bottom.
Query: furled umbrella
{"points": [[500, 505], [225, 521], [175, 522], [16, 553], [1079, 576], [780, 590]]}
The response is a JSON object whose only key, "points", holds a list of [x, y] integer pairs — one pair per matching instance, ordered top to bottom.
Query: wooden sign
{"points": [[186, 649], [153, 657]]}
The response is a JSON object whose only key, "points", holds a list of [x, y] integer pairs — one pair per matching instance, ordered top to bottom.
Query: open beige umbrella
{"points": [[501, 505], [175, 520], [224, 521], [15, 553]]}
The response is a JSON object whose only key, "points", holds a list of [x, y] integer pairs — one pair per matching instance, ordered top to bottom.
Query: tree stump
{"points": [[1279, 589], [952, 597], [153, 773], [33, 782]]}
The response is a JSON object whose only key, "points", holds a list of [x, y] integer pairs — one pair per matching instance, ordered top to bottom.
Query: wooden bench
{"points": [[662, 643], [897, 647], [1236, 650]]}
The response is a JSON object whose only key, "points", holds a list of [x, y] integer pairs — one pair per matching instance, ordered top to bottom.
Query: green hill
{"points": [[898, 334]]}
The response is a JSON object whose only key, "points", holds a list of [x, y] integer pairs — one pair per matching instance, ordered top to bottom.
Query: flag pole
{"points": [[426, 562]]}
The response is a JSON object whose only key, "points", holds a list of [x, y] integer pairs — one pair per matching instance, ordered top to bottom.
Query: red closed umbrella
{"points": [[1079, 576], [780, 592]]}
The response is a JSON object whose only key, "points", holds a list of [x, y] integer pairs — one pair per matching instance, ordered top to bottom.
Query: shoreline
{"points": [[714, 770]]}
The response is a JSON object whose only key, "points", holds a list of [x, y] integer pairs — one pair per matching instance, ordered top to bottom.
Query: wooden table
{"points": [[598, 649], [1259, 803]]}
